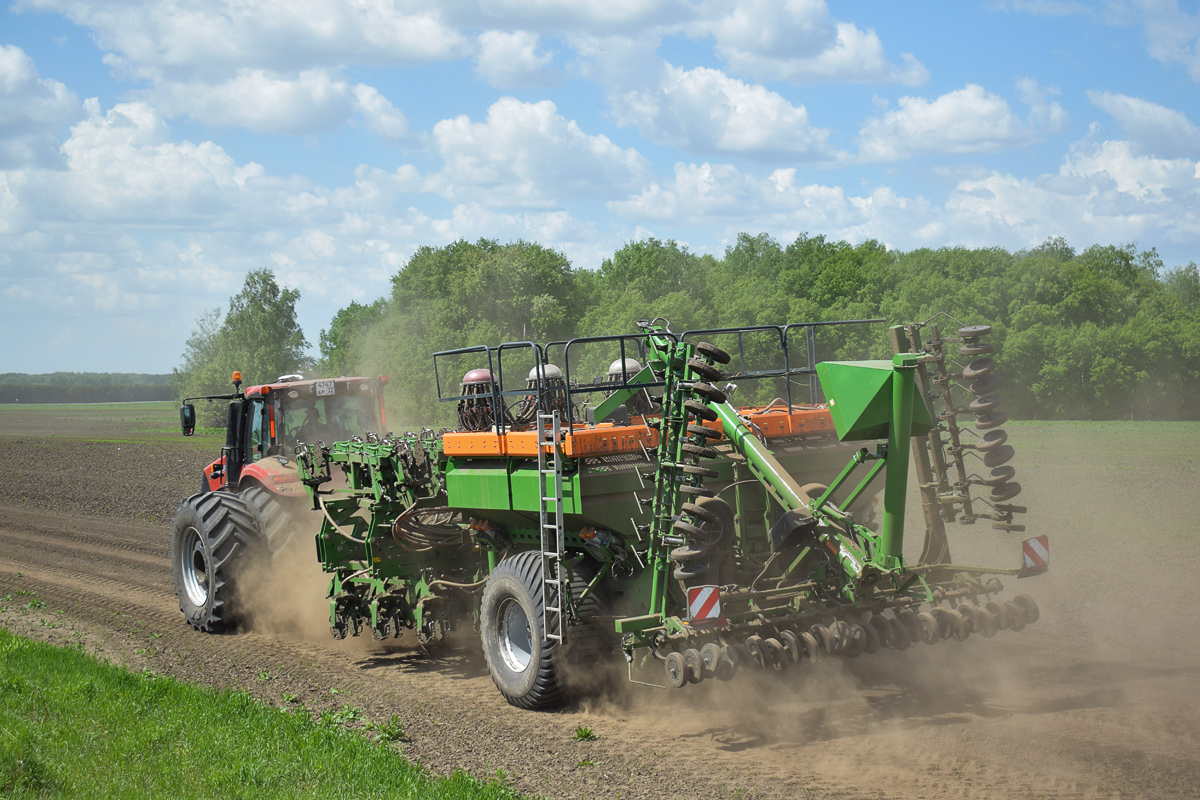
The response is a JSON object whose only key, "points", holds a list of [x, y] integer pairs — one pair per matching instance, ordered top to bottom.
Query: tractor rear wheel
{"points": [[276, 517], [213, 542], [529, 669]]}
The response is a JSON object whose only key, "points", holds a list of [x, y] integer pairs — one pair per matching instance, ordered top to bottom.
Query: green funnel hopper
{"points": [[860, 399]]}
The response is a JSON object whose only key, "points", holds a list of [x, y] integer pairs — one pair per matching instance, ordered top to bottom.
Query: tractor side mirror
{"points": [[187, 418]]}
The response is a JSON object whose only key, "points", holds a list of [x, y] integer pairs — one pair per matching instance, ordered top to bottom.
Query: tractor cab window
{"points": [[327, 419], [256, 441]]}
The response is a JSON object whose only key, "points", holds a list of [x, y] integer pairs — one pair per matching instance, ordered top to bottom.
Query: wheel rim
{"points": [[194, 567], [516, 638]]}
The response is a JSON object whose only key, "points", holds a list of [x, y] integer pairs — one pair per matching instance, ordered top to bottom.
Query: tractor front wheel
{"points": [[213, 541]]}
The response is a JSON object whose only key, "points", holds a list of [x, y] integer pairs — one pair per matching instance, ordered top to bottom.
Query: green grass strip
{"points": [[72, 726]]}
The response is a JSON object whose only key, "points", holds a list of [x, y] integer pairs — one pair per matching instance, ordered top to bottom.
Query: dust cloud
{"points": [[285, 597]]}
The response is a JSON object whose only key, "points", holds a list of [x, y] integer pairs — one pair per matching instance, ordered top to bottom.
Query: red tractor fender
{"points": [[274, 476]]}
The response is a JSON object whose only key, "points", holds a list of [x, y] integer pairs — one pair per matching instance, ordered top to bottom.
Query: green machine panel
{"points": [[860, 399], [478, 485]]}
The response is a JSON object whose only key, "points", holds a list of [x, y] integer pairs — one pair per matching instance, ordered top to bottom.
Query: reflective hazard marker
{"points": [[1036, 553], [704, 604]]}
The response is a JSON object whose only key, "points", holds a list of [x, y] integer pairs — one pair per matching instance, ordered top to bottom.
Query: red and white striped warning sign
{"points": [[1037, 555], [704, 604]]}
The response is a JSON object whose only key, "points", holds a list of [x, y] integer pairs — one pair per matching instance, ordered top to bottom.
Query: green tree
{"points": [[258, 335]]}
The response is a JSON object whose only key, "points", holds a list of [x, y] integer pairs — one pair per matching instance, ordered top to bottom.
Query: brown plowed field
{"points": [[1099, 699]]}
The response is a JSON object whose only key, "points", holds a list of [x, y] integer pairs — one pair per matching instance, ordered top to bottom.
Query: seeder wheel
{"points": [[1028, 608], [694, 663], [676, 669]]}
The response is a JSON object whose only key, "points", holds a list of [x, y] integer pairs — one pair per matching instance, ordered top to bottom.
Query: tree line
{"points": [[1104, 333], [83, 387]]}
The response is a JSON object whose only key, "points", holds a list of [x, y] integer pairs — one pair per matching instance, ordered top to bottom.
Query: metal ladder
{"points": [[554, 584]]}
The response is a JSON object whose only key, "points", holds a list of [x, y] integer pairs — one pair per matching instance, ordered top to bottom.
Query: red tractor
{"points": [[251, 499]]}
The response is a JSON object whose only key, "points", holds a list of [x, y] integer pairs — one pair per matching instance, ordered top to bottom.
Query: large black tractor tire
{"points": [[278, 518], [214, 542], [530, 670]]}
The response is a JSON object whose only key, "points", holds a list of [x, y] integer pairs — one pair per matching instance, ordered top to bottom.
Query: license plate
{"points": [[324, 388]]}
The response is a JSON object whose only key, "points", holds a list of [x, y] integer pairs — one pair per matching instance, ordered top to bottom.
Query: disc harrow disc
{"points": [[975, 349], [709, 350], [979, 368], [705, 370], [985, 386], [709, 392], [982, 405], [699, 410], [992, 420], [991, 440], [699, 450], [999, 455], [998, 476], [1005, 491], [699, 512], [682, 555], [692, 571], [1029, 609], [998, 611], [909, 618], [1016, 618], [945, 621], [982, 622], [960, 625], [883, 629], [929, 630], [824, 638], [900, 638], [871, 640], [791, 643], [757, 649], [812, 650], [774, 654], [710, 658], [694, 663], [726, 666], [676, 670]]}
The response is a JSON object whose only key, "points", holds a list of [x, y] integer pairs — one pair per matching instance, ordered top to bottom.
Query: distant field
{"points": [[154, 421]]}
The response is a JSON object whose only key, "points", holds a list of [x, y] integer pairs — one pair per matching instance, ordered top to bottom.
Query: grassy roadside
{"points": [[72, 726]]}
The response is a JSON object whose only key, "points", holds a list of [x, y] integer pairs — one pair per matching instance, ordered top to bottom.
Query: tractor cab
{"points": [[266, 424]]}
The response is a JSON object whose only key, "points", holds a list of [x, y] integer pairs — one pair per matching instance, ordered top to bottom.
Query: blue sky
{"points": [[153, 152]]}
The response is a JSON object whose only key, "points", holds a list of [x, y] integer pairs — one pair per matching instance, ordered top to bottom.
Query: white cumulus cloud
{"points": [[1172, 34], [181, 40], [801, 42], [511, 60], [313, 100], [32, 111], [703, 111], [380, 115], [967, 120], [1151, 128], [527, 154], [122, 166]]}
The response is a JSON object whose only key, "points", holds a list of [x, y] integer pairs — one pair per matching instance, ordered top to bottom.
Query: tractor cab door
{"points": [[257, 436], [245, 438]]}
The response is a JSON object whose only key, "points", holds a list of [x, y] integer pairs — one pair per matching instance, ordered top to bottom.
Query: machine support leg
{"points": [[904, 372]]}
